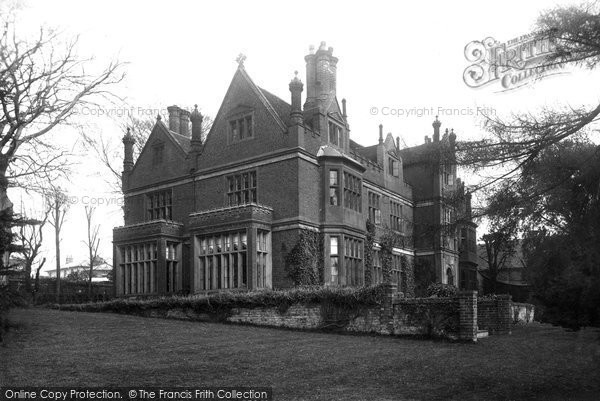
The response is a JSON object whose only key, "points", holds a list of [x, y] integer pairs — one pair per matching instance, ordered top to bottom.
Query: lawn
{"points": [[49, 347]]}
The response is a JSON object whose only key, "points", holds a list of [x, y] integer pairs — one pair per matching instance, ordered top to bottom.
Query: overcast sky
{"points": [[392, 56]]}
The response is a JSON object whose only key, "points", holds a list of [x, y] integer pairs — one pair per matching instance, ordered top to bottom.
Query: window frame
{"points": [[244, 118], [334, 187], [241, 188], [161, 203]]}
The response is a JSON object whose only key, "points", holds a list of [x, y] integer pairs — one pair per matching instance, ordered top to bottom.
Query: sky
{"points": [[399, 65]]}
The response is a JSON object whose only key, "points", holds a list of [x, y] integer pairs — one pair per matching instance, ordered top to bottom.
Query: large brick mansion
{"points": [[224, 212]]}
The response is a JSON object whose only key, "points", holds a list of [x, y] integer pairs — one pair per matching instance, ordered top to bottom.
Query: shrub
{"points": [[441, 290], [221, 303]]}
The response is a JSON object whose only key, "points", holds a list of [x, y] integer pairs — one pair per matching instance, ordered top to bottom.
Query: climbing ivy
{"points": [[388, 241], [369, 252], [304, 262], [407, 276]]}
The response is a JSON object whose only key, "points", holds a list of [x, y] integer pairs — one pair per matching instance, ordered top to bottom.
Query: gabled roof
{"points": [[266, 98], [282, 107], [278, 108], [182, 140], [368, 152]]}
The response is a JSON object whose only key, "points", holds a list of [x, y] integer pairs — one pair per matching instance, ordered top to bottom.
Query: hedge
{"points": [[343, 297]]}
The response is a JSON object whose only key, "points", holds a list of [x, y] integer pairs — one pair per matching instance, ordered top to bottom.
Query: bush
{"points": [[441, 290]]}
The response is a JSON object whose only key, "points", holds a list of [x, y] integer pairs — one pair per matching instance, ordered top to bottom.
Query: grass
{"points": [[59, 348]]}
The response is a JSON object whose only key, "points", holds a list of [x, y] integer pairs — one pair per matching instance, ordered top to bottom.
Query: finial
{"points": [[240, 59], [195, 107], [158, 117], [446, 130]]}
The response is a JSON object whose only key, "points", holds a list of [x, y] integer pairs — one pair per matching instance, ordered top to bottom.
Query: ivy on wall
{"points": [[369, 252], [304, 262], [407, 276]]}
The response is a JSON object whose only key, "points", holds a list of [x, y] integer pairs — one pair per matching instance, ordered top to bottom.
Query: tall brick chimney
{"points": [[321, 72], [174, 118], [184, 122], [436, 129]]}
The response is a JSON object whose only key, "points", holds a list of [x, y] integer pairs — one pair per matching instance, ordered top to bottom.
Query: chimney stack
{"points": [[321, 71], [296, 87], [344, 108], [174, 118], [196, 118], [184, 122], [436, 129], [380, 134], [452, 139], [128, 142]]}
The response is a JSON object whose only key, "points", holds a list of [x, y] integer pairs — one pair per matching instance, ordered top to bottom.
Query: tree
{"points": [[42, 81], [512, 144], [109, 150], [58, 204], [560, 219], [30, 237], [92, 243], [499, 245]]}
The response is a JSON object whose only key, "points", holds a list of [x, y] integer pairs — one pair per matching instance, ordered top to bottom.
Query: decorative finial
{"points": [[240, 59], [196, 107], [158, 117]]}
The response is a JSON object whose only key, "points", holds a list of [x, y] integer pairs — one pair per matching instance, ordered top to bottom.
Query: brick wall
{"points": [[495, 315], [437, 317]]}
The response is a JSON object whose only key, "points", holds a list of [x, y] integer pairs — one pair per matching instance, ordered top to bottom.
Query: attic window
{"points": [[241, 128], [335, 134], [393, 167]]}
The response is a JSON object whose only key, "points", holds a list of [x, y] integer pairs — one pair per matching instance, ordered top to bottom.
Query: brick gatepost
{"points": [[467, 301], [387, 308], [504, 314]]}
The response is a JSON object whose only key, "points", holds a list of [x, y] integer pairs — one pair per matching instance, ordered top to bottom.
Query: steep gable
{"points": [[269, 115], [162, 158]]}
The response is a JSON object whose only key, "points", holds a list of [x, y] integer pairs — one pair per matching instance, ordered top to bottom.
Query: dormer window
{"points": [[335, 134], [394, 167]]}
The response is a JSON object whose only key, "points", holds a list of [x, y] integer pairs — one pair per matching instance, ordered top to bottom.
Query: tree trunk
{"points": [[5, 202], [57, 246], [91, 275]]}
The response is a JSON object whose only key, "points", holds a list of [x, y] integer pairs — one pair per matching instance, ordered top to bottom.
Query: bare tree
{"points": [[42, 82], [110, 151], [58, 203], [31, 236], [92, 243]]}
